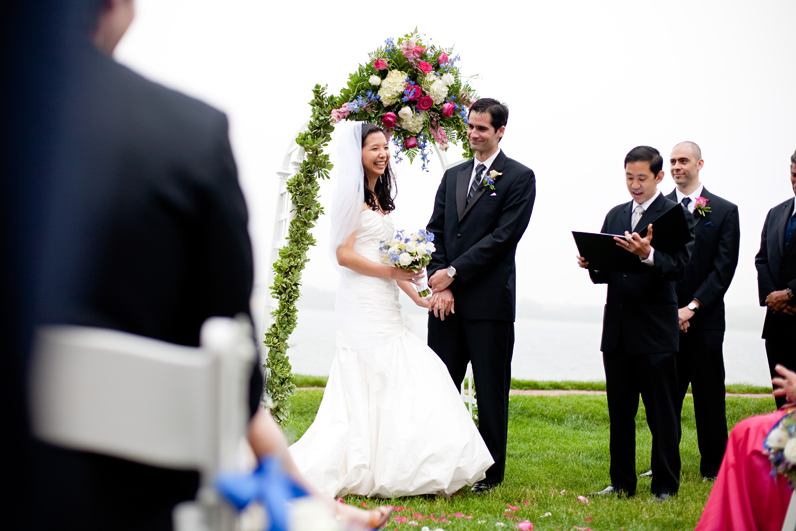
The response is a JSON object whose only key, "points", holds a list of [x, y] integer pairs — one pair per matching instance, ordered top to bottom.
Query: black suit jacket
{"points": [[147, 233], [480, 239], [776, 267], [708, 273], [641, 308]]}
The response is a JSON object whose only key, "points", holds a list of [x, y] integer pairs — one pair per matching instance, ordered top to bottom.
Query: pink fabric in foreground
{"points": [[745, 497]]}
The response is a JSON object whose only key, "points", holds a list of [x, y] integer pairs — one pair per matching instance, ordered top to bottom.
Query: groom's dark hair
{"points": [[498, 112], [646, 154]]}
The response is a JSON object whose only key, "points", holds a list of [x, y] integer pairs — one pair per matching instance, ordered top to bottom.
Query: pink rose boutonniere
{"points": [[490, 178], [701, 206]]}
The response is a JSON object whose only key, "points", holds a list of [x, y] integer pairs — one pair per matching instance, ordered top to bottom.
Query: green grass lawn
{"points": [[303, 380], [558, 450]]}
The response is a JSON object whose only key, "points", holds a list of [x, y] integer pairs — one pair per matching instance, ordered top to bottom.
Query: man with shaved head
{"points": [[700, 298]]}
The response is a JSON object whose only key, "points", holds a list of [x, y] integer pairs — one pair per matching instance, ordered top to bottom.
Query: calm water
{"points": [[544, 350]]}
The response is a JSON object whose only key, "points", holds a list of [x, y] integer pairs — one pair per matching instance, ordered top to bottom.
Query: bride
{"points": [[391, 422]]}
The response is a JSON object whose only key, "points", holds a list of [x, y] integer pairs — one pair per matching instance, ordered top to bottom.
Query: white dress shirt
{"points": [[696, 193], [650, 260]]}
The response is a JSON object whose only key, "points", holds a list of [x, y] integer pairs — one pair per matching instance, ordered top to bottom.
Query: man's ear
{"points": [[659, 178]]}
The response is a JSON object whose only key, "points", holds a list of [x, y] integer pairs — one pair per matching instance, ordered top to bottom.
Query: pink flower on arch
{"points": [[418, 50], [443, 58], [379, 64], [425, 67], [413, 92], [425, 103], [448, 109], [388, 120], [410, 142]]}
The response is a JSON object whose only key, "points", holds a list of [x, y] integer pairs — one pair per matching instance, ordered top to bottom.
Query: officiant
{"points": [[641, 330]]}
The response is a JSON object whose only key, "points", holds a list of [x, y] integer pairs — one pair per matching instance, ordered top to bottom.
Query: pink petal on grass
{"points": [[563, 491], [583, 499], [340, 500], [525, 503], [364, 504], [511, 507], [398, 509], [401, 519], [589, 519], [525, 525]]}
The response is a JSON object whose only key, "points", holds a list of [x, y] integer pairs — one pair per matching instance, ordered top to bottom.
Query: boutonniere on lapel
{"points": [[490, 178], [701, 206]]}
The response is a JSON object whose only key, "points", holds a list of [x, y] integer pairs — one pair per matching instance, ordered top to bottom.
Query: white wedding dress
{"points": [[391, 423]]}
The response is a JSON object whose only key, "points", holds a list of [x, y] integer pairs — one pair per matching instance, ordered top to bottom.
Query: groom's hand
{"points": [[439, 280], [442, 304]]}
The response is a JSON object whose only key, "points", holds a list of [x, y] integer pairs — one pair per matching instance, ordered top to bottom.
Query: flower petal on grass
{"points": [[583, 499], [340, 500], [525, 503], [364, 504], [511, 507], [545, 515], [400, 519], [589, 519], [525, 525]]}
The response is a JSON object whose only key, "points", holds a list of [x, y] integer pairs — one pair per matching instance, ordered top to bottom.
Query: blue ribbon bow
{"points": [[267, 484]]}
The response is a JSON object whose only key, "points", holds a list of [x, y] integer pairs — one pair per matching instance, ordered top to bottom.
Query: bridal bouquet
{"points": [[415, 91], [411, 252], [781, 446]]}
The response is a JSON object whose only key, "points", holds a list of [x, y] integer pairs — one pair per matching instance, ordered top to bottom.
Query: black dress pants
{"points": [[489, 346], [700, 362], [654, 376]]}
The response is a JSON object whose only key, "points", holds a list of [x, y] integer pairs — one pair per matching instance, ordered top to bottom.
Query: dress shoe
{"points": [[647, 474], [482, 487], [610, 489], [661, 497]]}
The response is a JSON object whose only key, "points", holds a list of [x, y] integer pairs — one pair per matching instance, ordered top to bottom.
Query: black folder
{"points": [[670, 231]]}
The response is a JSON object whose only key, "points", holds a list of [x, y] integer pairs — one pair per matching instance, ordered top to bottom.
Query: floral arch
{"points": [[411, 88]]}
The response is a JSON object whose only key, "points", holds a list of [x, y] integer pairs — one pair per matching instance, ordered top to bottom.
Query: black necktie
{"points": [[479, 172], [685, 202], [789, 229]]}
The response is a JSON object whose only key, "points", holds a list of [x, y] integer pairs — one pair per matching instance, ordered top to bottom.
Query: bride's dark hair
{"points": [[382, 196]]}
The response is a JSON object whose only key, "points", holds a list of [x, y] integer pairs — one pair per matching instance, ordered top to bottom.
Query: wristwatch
{"points": [[451, 271], [787, 290], [692, 306]]}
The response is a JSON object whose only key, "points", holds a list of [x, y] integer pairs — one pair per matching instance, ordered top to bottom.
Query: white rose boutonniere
{"points": [[490, 178]]}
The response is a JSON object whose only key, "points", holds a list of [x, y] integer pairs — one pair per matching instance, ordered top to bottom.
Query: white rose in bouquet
{"points": [[405, 113], [411, 247], [405, 259], [778, 438], [790, 451]]}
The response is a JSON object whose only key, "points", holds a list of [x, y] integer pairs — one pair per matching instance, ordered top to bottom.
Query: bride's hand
{"points": [[399, 274], [424, 302]]}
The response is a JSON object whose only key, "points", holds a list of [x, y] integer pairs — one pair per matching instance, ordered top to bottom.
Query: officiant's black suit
{"points": [[148, 235], [480, 240], [776, 270], [639, 344], [700, 359]]}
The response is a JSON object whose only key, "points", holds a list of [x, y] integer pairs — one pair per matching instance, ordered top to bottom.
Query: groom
{"points": [[481, 210]]}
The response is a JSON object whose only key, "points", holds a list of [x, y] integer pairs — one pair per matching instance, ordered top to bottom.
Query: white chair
{"points": [[148, 401], [790, 517]]}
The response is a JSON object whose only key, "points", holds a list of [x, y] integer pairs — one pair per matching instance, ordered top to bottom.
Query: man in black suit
{"points": [[481, 211], [147, 234], [776, 281], [700, 296], [640, 332]]}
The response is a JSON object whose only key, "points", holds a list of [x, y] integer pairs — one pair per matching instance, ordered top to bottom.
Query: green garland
{"points": [[303, 188]]}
